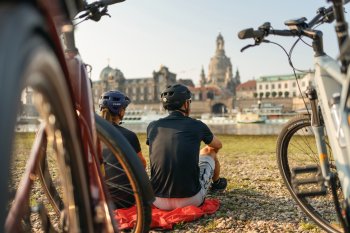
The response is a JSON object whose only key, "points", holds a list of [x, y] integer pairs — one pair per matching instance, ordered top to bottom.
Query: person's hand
{"points": [[208, 150]]}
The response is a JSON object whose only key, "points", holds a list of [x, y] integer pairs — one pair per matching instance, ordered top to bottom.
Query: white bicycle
{"points": [[313, 150]]}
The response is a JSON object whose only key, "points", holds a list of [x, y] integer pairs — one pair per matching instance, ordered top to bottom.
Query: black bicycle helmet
{"points": [[174, 96], [114, 101]]}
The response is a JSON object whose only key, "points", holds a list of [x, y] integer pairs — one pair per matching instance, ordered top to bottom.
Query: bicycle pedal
{"points": [[308, 181]]}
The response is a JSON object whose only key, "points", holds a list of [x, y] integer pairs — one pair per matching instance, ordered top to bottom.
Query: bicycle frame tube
{"points": [[329, 80], [80, 90], [83, 104]]}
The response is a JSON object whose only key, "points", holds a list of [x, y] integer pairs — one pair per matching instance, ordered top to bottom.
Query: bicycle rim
{"points": [[42, 124], [296, 147], [127, 167]]}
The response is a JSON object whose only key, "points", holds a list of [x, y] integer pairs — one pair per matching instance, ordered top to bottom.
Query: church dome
{"points": [[219, 63], [105, 73], [116, 75]]}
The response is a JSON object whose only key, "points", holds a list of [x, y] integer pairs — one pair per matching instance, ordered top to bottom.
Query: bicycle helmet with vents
{"points": [[174, 96], [114, 101]]}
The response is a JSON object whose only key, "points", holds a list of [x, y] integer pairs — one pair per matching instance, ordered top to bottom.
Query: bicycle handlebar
{"points": [[110, 2], [97, 9], [324, 15], [250, 33], [260, 34]]}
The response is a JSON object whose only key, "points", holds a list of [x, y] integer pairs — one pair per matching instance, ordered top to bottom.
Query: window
{"points": [[294, 84], [286, 85], [266, 86], [273, 86], [279, 86], [260, 87]]}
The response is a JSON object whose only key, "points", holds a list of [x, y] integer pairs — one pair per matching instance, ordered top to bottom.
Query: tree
{"points": [[280, 93], [261, 94], [267, 94], [274, 94], [286, 94], [255, 95]]}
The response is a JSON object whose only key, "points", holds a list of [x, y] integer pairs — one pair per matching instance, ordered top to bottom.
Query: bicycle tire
{"points": [[30, 62], [296, 147], [128, 159], [133, 169]]}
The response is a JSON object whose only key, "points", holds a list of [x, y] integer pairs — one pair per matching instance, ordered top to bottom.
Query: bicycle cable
{"points": [[293, 68]]}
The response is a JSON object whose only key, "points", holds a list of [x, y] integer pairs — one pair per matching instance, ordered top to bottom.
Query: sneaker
{"points": [[219, 185]]}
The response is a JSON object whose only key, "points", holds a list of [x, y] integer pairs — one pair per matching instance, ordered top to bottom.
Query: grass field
{"points": [[235, 145], [255, 200]]}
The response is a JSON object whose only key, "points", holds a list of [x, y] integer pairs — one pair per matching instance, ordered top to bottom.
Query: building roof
{"points": [[274, 78], [186, 82], [249, 85]]}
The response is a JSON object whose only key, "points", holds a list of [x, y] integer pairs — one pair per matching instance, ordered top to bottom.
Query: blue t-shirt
{"points": [[174, 144]]}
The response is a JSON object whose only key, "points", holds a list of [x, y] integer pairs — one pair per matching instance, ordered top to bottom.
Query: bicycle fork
{"points": [[328, 177]]}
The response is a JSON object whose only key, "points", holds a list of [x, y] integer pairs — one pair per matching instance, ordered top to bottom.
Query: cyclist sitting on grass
{"points": [[112, 106], [180, 172]]}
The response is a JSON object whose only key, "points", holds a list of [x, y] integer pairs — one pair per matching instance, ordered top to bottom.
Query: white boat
{"points": [[264, 113], [132, 117], [249, 118], [217, 120]]}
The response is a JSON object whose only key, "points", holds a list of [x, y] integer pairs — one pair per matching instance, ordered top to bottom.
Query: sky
{"points": [[142, 35]]}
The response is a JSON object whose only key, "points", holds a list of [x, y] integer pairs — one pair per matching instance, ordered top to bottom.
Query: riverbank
{"points": [[256, 199]]}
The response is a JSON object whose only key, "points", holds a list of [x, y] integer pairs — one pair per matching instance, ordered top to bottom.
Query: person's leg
{"points": [[209, 151], [206, 171], [216, 175], [219, 183]]}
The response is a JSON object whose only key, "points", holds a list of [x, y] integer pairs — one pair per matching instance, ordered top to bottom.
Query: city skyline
{"points": [[143, 35]]}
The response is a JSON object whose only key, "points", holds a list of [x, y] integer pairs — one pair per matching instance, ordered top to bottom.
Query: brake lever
{"points": [[104, 11], [253, 45], [247, 46]]}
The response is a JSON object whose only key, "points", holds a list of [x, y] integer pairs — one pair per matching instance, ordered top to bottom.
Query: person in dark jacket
{"points": [[112, 105], [181, 173]]}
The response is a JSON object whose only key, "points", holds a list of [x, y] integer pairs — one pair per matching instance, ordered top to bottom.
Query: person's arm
{"points": [[215, 143]]}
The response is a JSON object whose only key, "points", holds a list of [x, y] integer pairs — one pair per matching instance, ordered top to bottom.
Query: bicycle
{"points": [[34, 65], [312, 149]]}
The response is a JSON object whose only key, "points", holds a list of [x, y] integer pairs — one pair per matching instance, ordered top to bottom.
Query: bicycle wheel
{"points": [[34, 92], [296, 147], [130, 179], [129, 185]]}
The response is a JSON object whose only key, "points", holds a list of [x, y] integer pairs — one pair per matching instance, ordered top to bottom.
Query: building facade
{"points": [[283, 85], [276, 89], [140, 90], [246, 90], [215, 93]]}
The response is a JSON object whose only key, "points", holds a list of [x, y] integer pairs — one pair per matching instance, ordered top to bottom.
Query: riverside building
{"points": [[215, 94]]}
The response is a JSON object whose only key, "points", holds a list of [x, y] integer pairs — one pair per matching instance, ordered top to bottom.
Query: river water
{"points": [[237, 129]]}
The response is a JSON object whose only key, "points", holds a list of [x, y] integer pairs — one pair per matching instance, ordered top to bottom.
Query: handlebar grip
{"points": [[110, 2], [250, 33]]}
